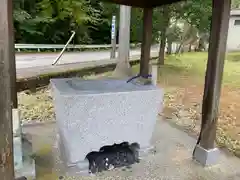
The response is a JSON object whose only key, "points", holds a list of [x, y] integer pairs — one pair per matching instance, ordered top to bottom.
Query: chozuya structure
{"points": [[205, 151]]}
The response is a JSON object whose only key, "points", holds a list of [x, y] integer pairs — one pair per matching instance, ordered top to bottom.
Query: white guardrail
{"points": [[18, 47]]}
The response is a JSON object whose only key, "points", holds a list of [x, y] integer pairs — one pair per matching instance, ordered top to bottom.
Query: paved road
{"points": [[45, 59]]}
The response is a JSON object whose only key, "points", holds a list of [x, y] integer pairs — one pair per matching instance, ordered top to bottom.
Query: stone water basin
{"points": [[94, 113]]}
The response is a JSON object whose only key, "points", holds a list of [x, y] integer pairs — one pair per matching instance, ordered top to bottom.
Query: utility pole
{"points": [[113, 37], [7, 60], [123, 67]]}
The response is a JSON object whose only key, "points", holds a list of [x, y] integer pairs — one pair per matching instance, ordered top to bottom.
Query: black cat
{"points": [[117, 155], [98, 162]]}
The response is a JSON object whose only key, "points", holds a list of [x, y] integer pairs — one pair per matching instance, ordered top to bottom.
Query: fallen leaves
{"points": [[37, 106], [183, 107]]}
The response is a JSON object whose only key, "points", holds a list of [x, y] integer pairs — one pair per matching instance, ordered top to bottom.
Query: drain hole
{"points": [[113, 156]]}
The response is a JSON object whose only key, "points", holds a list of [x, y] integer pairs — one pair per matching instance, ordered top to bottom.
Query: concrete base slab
{"points": [[144, 152], [206, 157], [172, 159], [81, 167], [27, 170]]}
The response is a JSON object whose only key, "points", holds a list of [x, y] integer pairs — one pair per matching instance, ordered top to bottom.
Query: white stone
{"points": [[94, 113], [16, 122], [17, 142], [17, 152], [206, 157]]}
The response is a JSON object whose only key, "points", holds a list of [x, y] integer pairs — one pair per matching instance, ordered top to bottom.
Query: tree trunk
{"points": [[166, 17], [201, 45], [169, 48], [179, 48], [190, 48], [162, 49]]}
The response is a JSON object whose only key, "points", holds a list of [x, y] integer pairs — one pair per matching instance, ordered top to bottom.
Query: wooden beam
{"points": [[143, 3], [146, 41], [6, 58], [214, 72]]}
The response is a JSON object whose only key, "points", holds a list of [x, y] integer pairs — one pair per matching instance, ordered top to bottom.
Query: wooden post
{"points": [[166, 18], [10, 34], [146, 42], [214, 73], [6, 76]]}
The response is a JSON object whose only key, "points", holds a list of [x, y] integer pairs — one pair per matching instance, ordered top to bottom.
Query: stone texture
{"points": [[94, 113], [16, 122], [17, 140], [17, 152], [206, 157], [24, 165]]}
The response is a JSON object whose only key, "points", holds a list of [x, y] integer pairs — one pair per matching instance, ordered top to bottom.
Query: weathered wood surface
{"points": [[143, 3], [166, 19], [146, 41], [6, 63], [214, 72]]}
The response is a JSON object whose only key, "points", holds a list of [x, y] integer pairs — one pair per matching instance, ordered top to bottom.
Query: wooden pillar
{"points": [[7, 24], [146, 41], [6, 60], [12, 62], [214, 73]]}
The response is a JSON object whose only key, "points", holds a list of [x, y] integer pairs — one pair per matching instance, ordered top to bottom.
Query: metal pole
{"points": [[124, 33], [113, 38], [61, 53], [6, 72]]}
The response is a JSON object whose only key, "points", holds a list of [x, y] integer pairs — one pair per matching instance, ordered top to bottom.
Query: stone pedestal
{"points": [[94, 113], [206, 157], [24, 165]]}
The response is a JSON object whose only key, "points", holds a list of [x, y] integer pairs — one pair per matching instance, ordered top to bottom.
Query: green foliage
{"points": [[235, 4], [198, 13], [51, 21], [173, 33]]}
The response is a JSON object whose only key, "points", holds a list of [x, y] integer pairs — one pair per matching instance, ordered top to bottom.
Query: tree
{"points": [[235, 4], [198, 15], [51, 21], [173, 35]]}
